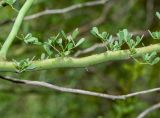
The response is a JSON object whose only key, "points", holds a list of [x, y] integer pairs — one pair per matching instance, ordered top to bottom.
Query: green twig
{"points": [[15, 29], [64, 62]]}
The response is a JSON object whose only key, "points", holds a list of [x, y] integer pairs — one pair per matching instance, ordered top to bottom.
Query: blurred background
{"points": [[114, 77]]}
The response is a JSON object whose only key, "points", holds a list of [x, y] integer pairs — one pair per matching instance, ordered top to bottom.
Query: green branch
{"points": [[15, 29], [81, 62]]}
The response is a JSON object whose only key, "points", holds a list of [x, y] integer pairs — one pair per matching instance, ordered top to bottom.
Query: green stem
{"points": [[15, 28], [82, 62]]}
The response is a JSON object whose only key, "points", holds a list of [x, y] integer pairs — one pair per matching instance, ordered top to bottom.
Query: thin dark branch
{"points": [[77, 91]]}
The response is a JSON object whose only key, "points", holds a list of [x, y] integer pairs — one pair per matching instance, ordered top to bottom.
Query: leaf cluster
{"points": [[155, 35], [124, 37], [62, 44], [115, 44], [151, 58], [23, 65]]}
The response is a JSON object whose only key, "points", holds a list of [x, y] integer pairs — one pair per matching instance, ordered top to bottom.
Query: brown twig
{"points": [[77, 91]]}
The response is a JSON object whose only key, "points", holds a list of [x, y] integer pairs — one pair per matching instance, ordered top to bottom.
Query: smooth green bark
{"points": [[81, 62]]}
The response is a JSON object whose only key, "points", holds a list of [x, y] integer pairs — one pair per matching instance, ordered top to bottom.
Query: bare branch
{"points": [[65, 10], [77, 91], [150, 109]]}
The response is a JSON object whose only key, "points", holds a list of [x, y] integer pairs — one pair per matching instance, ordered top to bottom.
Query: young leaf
{"points": [[158, 14], [95, 31], [75, 33], [29, 35], [64, 35], [105, 35], [124, 35], [155, 35], [69, 38], [28, 39], [33, 40], [52, 40], [138, 40], [59, 41], [80, 42], [69, 46], [47, 49], [67, 53], [152, 55], [43, 56], [145, 57], [151, 58], [156, 60], [23, 65]]}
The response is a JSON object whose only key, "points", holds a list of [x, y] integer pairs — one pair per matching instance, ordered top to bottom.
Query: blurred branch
{"points": [[65, 10], [122, 12], [101, 19], [90, 49], [77, 91], [150, 109]]}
